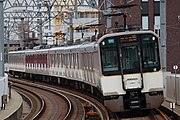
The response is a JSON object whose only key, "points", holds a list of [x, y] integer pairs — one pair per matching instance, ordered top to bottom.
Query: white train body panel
{"points": [[153, 82], [112, 85]]}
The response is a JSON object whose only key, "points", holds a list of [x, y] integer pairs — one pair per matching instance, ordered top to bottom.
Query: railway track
{"points": [[35, 102], [54, 106], [81, 106], [92, 106], [154, 114]]}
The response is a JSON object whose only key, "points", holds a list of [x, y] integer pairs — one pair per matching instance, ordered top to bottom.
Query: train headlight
{"points": [[103, 43]]}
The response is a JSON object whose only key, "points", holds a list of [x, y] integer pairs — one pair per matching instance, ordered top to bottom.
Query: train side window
{"points": [[73, 57], [52, 60], [57, 60], [62, 60], [65, 60], [70, 60], [74, 60], [77, 60], [89, 60], [83, 61], [91, 63]]}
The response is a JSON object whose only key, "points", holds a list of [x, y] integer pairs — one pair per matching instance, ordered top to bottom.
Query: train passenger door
{"points": [[130, 66]]}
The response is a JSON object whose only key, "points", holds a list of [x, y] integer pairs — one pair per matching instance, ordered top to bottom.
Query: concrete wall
{"points": [[3, 87], [172, 88]]}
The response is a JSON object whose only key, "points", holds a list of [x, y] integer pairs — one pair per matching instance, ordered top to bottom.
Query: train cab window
{"points": [[109, 56], [130, 59], [151, 59]]}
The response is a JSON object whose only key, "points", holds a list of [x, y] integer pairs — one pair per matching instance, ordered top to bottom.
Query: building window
{"points": [[144, 6], [156, 8], [156, 20], [145, 22], [157, 25]]}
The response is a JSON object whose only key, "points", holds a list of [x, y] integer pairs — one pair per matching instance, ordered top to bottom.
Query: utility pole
{"points": [[76, 9], [109, 19], [39, 21], [71, 30], [22, 33], [163, 33], [1, 39]]}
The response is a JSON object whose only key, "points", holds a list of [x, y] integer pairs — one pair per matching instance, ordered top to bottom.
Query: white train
{"points": [[123, 69]]}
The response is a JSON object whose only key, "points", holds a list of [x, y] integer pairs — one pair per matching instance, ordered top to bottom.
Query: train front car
{"points": [[131, 73]]}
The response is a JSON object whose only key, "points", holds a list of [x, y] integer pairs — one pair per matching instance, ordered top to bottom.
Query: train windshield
{"points": [[150, 53], [130, 54], [110, 55], [130, 59]]}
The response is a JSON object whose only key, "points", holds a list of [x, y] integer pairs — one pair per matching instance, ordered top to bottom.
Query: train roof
{"points": [[125, 33], [90, 44], [84, 45], [74, 47], [57, 48], [13, 52]]}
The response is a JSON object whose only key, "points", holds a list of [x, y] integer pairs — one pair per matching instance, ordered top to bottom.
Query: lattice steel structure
{"points": [[24, 17]]}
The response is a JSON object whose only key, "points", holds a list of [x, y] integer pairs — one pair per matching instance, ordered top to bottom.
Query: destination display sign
{"points": [[128, 38]]}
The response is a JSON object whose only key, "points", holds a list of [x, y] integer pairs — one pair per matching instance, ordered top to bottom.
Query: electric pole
{"points": [[109, 19], [71, 30], [163, 32], [22, 33], [1, 38]]}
